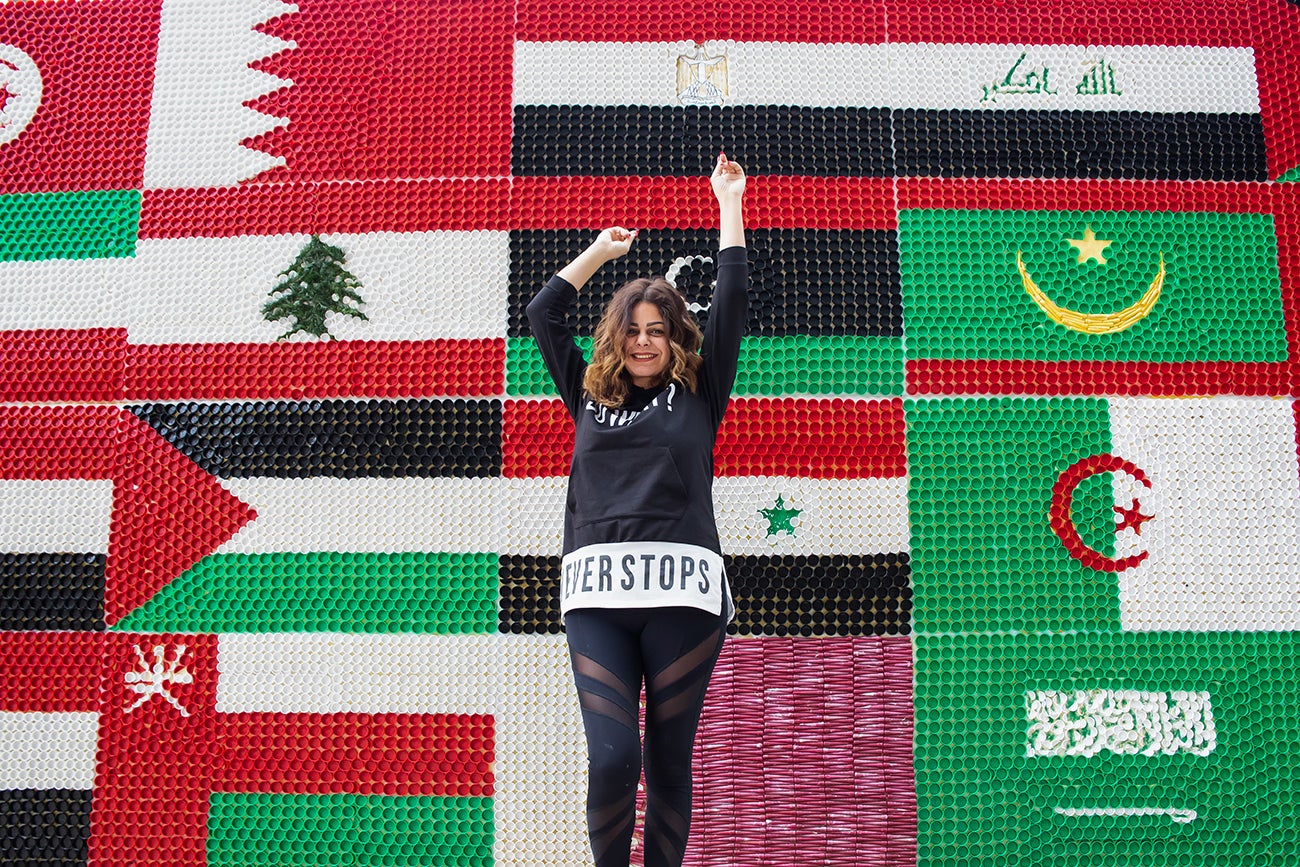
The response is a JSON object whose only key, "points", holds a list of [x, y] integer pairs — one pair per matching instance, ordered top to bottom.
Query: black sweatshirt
{"points": [[639, 529]]}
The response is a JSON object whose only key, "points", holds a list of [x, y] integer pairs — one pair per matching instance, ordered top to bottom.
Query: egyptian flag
{"points": [[813, 98], [1099, 288], [291, 314], [810, 500], [1130, 514], [375, 516], [1111, 747]]}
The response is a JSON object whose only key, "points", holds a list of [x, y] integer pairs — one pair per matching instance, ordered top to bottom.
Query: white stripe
{"points": [[900, 75], [201, 81], [416, 286], [1225, 493], [367, 515], [69, 516], [836, 516], [523, 681], [47, 750], [1181, 815]]}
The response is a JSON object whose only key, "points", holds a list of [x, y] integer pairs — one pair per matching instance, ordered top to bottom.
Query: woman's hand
{"points": [[728, 180], [613, 243]]}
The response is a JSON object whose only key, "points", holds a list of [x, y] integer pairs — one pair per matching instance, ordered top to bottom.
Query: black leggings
{"points": [[673, 650]]}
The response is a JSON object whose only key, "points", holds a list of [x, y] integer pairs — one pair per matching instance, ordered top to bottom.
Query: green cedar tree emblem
{"points": [[314, 286], [779, 518]]}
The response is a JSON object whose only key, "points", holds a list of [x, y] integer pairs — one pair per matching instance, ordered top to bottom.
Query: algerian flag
{"points": [[1127, 513]]}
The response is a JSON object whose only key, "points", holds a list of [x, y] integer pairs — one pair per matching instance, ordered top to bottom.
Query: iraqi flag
{"points": [[815, 97], [1097, 288], [810, 500], [1130, 514], [1103, 749]]}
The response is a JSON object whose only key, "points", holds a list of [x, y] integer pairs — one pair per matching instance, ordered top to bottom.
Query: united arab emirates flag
{"points": [[1093, 299], [1117, 514], [1105, 748]]}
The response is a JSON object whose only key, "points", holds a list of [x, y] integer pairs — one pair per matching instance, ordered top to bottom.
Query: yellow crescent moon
{"points": [[1094, 323]]}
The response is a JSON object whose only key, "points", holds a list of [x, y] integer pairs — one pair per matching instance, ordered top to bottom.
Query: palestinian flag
{"points": [[1090, 289], [105, 314], [327, 480], [810, 499], [1104, 514], [1105, 748]]}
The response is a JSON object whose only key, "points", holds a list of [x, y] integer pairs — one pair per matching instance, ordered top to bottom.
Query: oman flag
{"points": [[1118, 514]]}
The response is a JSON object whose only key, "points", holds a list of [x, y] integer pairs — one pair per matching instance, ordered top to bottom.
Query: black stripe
{"points": [[685, 140], [877, 142], [1078, 144], [802, 281], [339, 438], [52, 591], [841, 594], [47, 827]]}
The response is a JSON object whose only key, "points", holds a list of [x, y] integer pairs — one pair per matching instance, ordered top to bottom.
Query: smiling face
{"points": [[646, 349]]}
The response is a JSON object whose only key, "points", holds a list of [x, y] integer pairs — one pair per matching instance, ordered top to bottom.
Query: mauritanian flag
{"points": [[1020, 97], [1097, 288], [1133, 514]]}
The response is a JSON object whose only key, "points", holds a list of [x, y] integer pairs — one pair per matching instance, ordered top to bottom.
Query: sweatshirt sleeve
{"points": [[728, 313], [548, 316]]}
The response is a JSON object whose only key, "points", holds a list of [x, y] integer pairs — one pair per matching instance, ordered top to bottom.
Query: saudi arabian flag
{"points": [[1120, 286], [1104, 515], [1159, 749]]}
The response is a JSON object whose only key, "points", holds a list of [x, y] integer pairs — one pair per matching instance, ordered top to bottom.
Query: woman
{"points": [[643, 592]]}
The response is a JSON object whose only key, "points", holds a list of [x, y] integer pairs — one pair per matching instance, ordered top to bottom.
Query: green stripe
{"points": [[1290, 176], [89, 225], [963, 295], [796, 364], [983, 554], [327, 592], [979, 793], [353, 830]]}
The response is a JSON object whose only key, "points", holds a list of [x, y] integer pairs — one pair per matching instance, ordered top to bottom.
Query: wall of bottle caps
{"points": [[1009, 488]]}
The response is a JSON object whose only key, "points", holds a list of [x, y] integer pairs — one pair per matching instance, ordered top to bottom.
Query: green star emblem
{"points": [[780, 518]]}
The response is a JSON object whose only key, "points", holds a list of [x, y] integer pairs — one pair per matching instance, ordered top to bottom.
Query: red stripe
{"points": [[801, 21], [1117, 22], [1277, 45], [96, 62], [417, 89], [1076, 195], [674, 202], [315, 208], [1287, 223], [58, 364], [343, 368], [946, 376], [826, 439], [50, 672], [369, 754], [804, 755], [155, 764]]}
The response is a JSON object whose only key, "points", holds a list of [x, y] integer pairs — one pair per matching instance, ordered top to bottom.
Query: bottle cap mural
{"points": [[1008, 489]]}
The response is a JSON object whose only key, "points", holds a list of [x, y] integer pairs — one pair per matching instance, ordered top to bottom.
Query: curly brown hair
{"points": [[607, 379]]}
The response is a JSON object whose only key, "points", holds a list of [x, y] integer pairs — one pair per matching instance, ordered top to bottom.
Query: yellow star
{"points": [[1090, 247]]}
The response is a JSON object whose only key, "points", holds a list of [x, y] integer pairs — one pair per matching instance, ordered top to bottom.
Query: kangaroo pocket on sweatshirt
{"points": [[611, 485]]}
